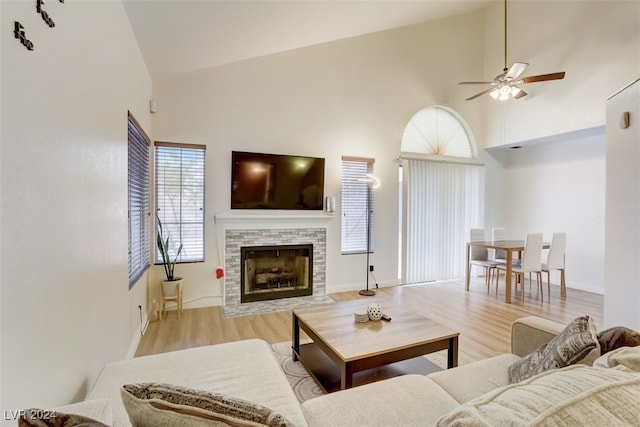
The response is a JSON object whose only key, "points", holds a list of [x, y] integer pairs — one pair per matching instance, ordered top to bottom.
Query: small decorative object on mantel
{"points": [[374, 311]]}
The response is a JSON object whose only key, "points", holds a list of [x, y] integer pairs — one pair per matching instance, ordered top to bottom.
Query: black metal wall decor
{"points": [[18, 29], [18, 32]]}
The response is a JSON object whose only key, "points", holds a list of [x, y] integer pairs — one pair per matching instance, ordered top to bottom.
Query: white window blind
{"points": [[355, 189], [180, 198], [138, 200]]}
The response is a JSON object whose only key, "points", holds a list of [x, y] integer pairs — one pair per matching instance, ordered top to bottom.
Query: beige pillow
{"points": [[572, 345], [151, 405], [35, 417]]}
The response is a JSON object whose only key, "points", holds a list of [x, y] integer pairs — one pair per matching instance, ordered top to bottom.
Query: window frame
{"points": [[163, 148], [354, 193], [138, 200]]}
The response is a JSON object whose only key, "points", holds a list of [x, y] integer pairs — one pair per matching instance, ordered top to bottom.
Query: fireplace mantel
{"points": [[260, 219]]}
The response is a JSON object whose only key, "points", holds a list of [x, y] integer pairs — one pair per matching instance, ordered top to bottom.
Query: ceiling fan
{"points": [[508, 84]]}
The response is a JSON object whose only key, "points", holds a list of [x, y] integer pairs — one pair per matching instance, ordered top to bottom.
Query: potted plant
{"points": [[169, 286]]}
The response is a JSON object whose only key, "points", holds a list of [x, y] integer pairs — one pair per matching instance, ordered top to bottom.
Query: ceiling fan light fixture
{"points": [[515, 90], [495, 93]]}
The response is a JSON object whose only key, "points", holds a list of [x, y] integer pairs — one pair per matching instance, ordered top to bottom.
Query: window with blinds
{"points": [[180, 198], [138, 200], [357, 200]]}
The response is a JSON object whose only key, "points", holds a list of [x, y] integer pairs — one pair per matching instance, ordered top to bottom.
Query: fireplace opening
{"points": [[273, 272]]}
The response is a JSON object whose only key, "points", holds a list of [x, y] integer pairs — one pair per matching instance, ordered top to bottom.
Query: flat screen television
{"points": [[276, 181]]}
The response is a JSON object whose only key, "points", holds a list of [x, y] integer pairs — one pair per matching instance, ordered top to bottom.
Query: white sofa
{"points": [[248, 370]]}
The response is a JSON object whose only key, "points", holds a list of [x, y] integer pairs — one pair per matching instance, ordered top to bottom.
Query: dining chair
{"points": [[499, 233], [480, 256], [555, 261], [531, 262]]}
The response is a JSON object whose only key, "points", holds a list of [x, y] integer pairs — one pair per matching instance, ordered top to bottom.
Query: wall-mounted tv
{"points": [[276, 181]]}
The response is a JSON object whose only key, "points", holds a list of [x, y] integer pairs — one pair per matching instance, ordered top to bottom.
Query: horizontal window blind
{"points": [[357, 197], [180, 198], [138, 200]]}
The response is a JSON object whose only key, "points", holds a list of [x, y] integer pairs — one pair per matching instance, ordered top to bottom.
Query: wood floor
{"points": [[483, 319]]}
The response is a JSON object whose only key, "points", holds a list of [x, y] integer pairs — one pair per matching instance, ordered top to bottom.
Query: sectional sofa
{"points": [[243, 377]]}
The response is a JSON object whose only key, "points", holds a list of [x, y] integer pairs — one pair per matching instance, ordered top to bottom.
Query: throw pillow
{"points": [[619, 336], [572, 345], [152, 404], [45, 418]]}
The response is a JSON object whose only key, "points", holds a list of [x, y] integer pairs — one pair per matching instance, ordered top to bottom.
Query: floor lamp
{"points": [[372, 182]]}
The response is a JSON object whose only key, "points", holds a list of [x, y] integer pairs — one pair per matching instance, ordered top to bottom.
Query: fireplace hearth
{"points": [[275, 272]]}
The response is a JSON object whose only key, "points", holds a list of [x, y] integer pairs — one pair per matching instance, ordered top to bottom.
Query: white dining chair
{"points": [[498, 233], [480, 256], [555, 261], [531, 262]]}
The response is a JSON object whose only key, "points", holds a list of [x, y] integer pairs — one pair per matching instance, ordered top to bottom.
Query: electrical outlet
{"points": [[371, 268]]}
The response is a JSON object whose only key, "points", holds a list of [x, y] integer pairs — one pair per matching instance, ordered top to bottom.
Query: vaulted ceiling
{"points": [[181, 36]]}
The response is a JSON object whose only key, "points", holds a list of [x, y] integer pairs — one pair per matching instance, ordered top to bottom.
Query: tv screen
{"points": [[275, 181]]}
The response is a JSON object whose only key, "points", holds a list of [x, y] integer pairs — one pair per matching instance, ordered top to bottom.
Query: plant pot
{"points": [[170, 287]]}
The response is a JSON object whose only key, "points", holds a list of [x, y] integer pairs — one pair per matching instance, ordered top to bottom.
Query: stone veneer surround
{"points": [[234, 239]]}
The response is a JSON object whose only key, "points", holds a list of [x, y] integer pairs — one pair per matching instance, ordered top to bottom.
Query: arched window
{"points": [[439, 131], [443, 193]]}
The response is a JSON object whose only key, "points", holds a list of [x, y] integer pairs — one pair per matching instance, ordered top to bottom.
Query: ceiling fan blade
{"points": [[516, 69], [543, 77], [476, 83], [479, 94]]}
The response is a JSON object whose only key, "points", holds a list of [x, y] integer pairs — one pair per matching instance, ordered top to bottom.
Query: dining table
{"points": [[511, 247]]}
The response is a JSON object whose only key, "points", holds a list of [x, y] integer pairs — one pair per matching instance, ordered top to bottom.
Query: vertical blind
{"points": [[355, 189], [180, 198], [138, 200], [444, 201]]}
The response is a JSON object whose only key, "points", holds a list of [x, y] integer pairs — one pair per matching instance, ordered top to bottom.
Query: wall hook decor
{"points": [[18, 32]]}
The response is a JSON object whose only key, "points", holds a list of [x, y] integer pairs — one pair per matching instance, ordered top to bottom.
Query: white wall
{"points": [[349, 97], [560, 186], [622, 267], [66, 308]]}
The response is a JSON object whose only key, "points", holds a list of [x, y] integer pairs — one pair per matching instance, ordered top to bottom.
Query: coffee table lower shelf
{"points": [[327, 374]]}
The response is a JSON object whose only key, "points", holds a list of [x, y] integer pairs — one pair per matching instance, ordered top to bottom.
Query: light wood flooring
{"points": [[483, 319]]}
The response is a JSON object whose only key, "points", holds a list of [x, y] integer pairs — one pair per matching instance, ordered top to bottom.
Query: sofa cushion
{"points": [[616, 337], [578, 339], [244, 369], [470, 381], [574, 395], [408, 400], [150, 405], [97, 409], [35, 417]]}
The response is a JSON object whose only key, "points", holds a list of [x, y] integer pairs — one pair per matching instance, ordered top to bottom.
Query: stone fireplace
{"points": [[263, 237], [273, 272]]}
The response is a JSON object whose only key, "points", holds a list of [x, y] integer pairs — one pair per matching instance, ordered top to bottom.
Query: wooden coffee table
{"points": [[341, 347]]}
